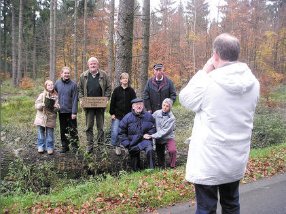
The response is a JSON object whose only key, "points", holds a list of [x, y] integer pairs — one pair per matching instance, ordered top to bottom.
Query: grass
{"points": [[279, 94], [134, 192]]}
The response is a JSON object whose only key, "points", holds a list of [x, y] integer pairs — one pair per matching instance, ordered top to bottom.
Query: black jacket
{"points": [[154, 96], [120, 103]]}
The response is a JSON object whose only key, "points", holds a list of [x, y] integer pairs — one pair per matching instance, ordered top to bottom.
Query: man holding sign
{"points": [[93, 83]]}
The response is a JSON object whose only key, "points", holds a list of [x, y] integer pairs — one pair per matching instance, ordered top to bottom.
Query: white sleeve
{"points": [[191, 96]]}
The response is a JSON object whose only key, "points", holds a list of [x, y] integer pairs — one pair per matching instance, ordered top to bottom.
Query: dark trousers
{"points": [[91, 114], [68, 129], [134, 153], [207, 197]]}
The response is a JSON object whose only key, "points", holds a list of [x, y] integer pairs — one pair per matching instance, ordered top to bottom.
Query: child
{"points": [[120, 105], [47, 107], [165, 125]]}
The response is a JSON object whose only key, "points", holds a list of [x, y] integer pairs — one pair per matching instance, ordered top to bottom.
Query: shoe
{"points": [[41, 150], [64, 150], [117, 150], [50, 152]]}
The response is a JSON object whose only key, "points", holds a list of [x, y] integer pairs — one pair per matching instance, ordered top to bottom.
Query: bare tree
{"points": [[53, 8], [124, 35], [84, 36], [1, 38], [75, 41], [111, 41], [34, 45], [145, 46], [14, 60], [19, 69]]}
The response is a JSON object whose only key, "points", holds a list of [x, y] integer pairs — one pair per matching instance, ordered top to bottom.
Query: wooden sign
{"points": [[94, 102]]}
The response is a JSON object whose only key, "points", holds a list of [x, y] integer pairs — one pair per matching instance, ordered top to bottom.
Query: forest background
{"points": [[39, 37]]}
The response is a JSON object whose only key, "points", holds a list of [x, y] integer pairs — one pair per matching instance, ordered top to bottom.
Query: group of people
{"points": [[224, 95], [134, 126]]}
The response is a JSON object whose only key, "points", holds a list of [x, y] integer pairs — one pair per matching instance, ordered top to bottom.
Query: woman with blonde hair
{"points": [[120, 105], [47, 107]]}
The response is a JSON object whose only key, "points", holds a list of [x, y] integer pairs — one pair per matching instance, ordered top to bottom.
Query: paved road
{"points": [[266, 196]]}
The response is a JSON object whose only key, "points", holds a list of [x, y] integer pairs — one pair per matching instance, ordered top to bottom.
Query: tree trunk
{"points": [[53, 8], [5, 24], [84, 37], [124, 38], [1, 39], [75, 41], [111, 42], [145, 46], [14, 60], [19, 70], [34, 71], [52, 72]]}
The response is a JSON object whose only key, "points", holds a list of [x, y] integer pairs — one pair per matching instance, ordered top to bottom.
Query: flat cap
{"points": [[158, 66], [136, 100]]}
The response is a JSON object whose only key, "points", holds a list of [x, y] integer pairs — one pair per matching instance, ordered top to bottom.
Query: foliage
{"points": [[279, 94], [269, 128], [266, 162], [23, 178]]}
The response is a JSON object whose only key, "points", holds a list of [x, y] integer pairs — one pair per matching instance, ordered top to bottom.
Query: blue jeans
{"points": [[114, 132], [46, 138], [207, 197]]}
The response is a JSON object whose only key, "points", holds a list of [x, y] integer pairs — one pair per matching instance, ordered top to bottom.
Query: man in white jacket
{"points": [[223, 95]]}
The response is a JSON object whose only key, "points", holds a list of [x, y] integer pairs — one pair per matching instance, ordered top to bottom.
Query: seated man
{"points": [[133, 127]]}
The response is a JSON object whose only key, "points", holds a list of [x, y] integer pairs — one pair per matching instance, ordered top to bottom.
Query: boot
{"points": [[150, 159]]}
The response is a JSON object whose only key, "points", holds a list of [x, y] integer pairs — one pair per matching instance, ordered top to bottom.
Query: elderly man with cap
{"points": [[94, 83], [158, 88], [133, 127]]}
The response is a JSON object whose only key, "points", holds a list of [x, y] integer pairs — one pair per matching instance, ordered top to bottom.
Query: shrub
{"points": [[269, 128], [23, 178]]}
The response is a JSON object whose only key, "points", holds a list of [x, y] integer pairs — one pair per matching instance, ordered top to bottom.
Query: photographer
{"points": [[223, 95]]}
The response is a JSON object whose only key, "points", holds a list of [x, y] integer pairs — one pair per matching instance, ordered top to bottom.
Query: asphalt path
{"points": [[265, 196]]}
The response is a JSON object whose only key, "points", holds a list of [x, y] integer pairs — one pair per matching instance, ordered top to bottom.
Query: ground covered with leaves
{"points": [[143, 191]]}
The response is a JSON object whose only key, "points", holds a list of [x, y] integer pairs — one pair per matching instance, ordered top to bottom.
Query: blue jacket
{"points": [[68, 96], [133, 127]]}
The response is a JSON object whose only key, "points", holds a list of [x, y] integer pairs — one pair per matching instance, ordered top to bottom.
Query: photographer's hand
{"points": [[208, 67]]}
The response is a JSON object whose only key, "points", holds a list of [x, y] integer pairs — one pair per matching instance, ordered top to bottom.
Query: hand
{"points": [[208, 67], [80, 103], [73, 116], [113, 117], [147, 136]]}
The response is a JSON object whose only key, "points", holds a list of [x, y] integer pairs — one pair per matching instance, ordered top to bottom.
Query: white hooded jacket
{"points": [[224, 101]]}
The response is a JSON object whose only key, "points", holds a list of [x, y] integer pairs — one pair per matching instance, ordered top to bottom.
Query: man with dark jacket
{"points": [[94, 82], [157, 89], [68, 100], [133, 129]]}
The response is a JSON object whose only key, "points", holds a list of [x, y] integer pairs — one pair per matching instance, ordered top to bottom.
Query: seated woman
{"points": [[164, 137]]}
